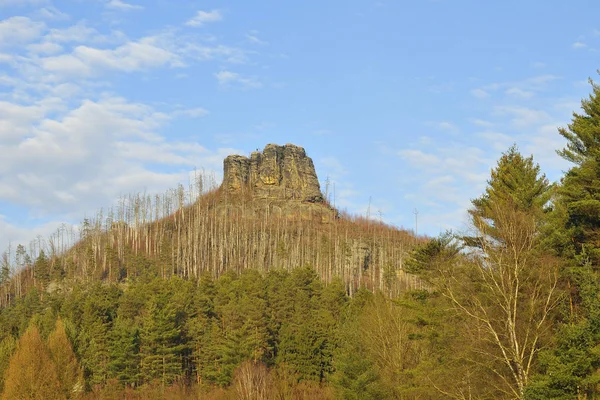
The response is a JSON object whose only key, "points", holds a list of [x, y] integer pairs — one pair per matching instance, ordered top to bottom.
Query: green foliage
{"points": [[517, 183], [437, 251], [41, 268], [160, 341], [124, 351], [569, 368]]}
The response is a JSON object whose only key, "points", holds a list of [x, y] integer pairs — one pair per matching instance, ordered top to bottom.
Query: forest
{"points": [[196, 295]]}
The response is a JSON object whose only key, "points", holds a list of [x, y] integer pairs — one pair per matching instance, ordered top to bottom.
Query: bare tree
{"points": [[506, 290]]}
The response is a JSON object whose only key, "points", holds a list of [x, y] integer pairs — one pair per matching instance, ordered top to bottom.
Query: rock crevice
{"points": [[278, 172]]}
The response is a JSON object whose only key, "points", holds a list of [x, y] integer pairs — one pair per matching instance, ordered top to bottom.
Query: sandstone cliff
{"points": [[278, 172]]}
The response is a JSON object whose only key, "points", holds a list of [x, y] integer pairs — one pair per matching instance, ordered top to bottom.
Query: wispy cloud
{"points": [[8, 3], [121, 5], [51, 13], [203, 17], [78, 33], [252, 37], [579, 45], [537, 65], [228, 78], [524, 88], [517, 92], [480, 93], [191, 112], [523, 117], [481, 122], [419, 158]]}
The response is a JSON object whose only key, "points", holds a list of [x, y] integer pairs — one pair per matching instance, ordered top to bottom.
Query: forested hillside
{"points": [[209, 293]]}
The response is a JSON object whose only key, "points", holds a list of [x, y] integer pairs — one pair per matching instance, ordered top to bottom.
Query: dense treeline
{"points": [[508, 310], [284, 334]]}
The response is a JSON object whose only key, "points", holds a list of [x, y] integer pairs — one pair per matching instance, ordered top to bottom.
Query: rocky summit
{"points": [[278, 172]]}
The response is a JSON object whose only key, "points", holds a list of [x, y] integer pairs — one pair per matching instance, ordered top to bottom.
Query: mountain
{"points": [[268, 213]]}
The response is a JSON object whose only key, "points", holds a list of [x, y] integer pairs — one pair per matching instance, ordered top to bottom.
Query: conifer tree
{"points": [[515, 182], [42, 269], [506, 290], [160, 343], [124, 350], [571, 369], [31, 374], [70, 374]]}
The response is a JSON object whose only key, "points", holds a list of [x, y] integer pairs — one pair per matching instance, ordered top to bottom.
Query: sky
{"points": [[404, 106]]}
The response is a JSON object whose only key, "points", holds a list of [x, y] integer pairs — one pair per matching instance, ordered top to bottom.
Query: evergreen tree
{"points": [[515, 182], [427, 257], [42, 269], [506, 289], [96, 315], [307, 340], [161, 344], [124, 351], [570, 370], [31, 374], [70, 374]]}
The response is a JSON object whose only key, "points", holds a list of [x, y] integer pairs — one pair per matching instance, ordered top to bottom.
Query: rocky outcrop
{"points": [[278, 172]]}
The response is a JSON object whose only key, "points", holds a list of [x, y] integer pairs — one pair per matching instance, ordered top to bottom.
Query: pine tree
{"points": [[515, 182], [42, 269], [506, 289], [161, 344], [124, 348], [570, 370], [31, 374], [70, 374]]}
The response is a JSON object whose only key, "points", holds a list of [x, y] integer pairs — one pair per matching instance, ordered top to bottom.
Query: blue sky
{"points": [[403, 104]]}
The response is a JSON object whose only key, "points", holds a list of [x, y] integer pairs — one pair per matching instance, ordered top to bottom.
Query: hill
{"points": [[269, 213]]}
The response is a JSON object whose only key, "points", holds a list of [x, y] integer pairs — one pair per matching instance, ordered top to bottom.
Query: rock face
{"points": [[278, 172]]}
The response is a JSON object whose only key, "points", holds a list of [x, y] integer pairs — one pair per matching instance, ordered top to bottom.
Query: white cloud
{"points": [[8, 3], [121, 5], [51, 13], [204, 17], [19, 30], [78, 33], [252, 37], [579, 45], [45, 48], [202, 52], [86, 61], [537, 65], [228, 78], [540, 80], [523, 88], [516, 92], [480, 93], [191, 112], [523, 117], [481, 122], [447, 126], [499, 141], [71, 144], [99, 144], [419, 158], [333, 167], [15, 235]]}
